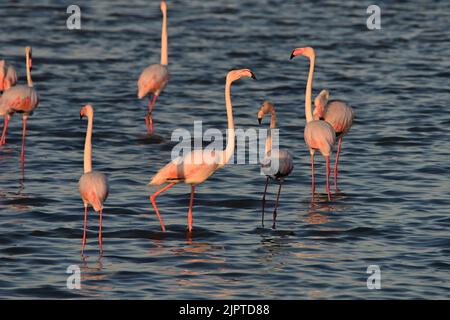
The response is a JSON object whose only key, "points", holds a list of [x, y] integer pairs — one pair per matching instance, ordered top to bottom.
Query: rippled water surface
{"points": [[393, 206]]}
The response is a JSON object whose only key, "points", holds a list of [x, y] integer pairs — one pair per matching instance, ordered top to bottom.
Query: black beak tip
{"points": [[292, 55], [253, 76], [81, 117], [259, 120]]}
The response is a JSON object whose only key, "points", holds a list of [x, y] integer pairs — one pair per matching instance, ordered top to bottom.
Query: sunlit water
{"points": [[393, 207]]}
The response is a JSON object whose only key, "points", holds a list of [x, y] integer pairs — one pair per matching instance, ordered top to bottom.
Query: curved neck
{"points": [[164, 54], [30, 82], [308, 108], [273, 121], [88, 146], [229, 150]]}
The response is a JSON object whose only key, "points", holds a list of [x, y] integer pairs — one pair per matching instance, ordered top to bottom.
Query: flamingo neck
{"points": [[164, 54], [29, 81], [308, 94], [273, 121], [88, 145], [229, 150]]}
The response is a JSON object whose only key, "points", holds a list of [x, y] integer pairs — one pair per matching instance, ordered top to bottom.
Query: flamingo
{"points": [[8, 75], [155, 77], [22, 99], [337, 113], [319, 134], [282, 158], [198, 165], [93, 185]]}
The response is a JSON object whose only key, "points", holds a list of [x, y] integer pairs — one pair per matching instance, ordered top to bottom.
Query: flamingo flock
{"points": [[329, 121]]}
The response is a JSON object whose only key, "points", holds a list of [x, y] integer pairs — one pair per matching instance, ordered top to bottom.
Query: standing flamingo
{"points": [[8, 76], [155, 77], [22, 99], [337, 113], [318, 134], [277, 164], [198, 165], [93, 185]]}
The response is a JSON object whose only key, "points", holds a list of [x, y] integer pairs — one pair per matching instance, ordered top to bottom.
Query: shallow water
{"points": [[393, 206]]}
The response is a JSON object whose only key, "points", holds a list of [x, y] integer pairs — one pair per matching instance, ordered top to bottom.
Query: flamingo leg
{"points": [[148, 118], [5, 126], [22, 156], [336, 163], [328, 177], [313, 186], [152, 199], [191, 202], [264, 202], [276, 206], [84, 230], [100, 242]]}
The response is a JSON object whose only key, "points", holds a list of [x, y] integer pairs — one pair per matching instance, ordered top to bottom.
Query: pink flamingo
{"points": [[8, 76], [155, 77], [22, 99], [337, 113], [319, 134], [277, 164], [198, 165], [93, 185]]}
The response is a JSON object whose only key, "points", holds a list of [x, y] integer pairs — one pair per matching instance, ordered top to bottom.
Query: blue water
{"points": [[393, 206]]}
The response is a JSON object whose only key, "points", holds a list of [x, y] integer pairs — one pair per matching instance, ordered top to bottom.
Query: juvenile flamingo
{"points": [[8, 76], [155, 77], [21, 99], [337, 113], [318, 134], [277, 164], [198, 165], [93, 185]]}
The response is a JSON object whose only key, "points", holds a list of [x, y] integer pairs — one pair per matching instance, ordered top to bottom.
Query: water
{"points": [[393, 207]]}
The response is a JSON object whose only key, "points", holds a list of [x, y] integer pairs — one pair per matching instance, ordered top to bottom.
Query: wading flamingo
{"points": [[8, 76], [155, 77], [21, 99], [337, 113], [318, 134], [277, 164], [198, 165], [93, 185]]}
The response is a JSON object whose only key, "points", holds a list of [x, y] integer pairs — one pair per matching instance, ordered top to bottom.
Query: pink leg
{"points": [[148, 118], [5, 126], [22, 156], [336, 163], [312, 175], [328, 177], [152, 199], [191, 202], [264, 202], [84, 231], [100, 242]]}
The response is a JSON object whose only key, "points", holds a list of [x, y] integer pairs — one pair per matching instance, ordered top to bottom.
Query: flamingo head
{"points": [[163, 6], [305, 51], [29, 56], [234, 75], [320, 102], [265, 108], [87, 111]]}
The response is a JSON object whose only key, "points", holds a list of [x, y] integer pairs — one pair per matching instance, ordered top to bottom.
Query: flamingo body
{"points": [[8, 75], [153, 79], [21, 99], [339, 114], [319, 135], [285, 164], [186, 169], [94, 189]]}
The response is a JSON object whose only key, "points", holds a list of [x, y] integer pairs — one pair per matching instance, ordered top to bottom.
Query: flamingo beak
{"points": [[296, 52], [259, 120]]}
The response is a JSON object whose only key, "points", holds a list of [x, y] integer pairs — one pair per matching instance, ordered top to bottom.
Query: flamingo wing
{"points": [[153, 79], [19, 99], [340, 115], [320, 135], [94, 189]]}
